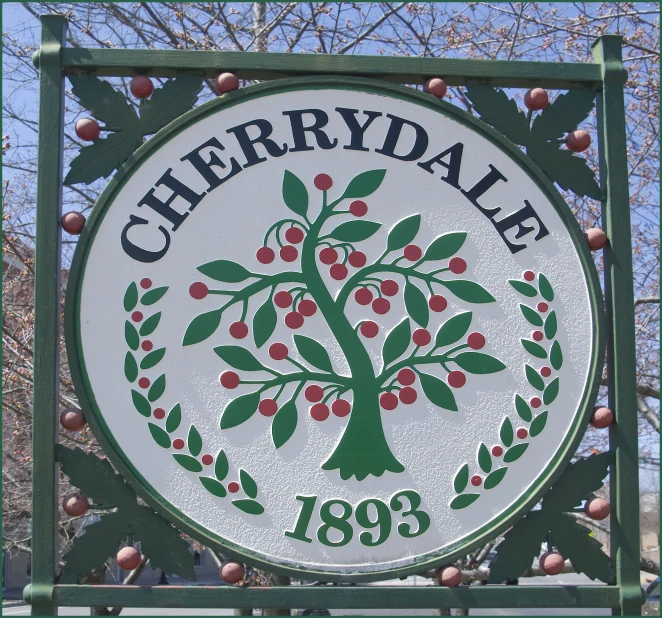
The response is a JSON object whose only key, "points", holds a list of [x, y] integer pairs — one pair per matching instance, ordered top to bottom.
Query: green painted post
{"points": [[607, 50], [47, 316]]}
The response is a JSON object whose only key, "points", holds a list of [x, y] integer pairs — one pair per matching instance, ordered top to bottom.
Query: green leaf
{"points": [[169, 102], [105, 103], [497, 109], [563, 115], [103, 157], [364, 184], [295, 194], [355, 231], [403, 233], [444, 246], [225, 271], [523, 288], [545, 288], [469, 291], [131, 297], [149, 298], [416, 304], [532, 317], [264, 322], [150, 324], [551, 325], [202, 327], [453, 329], [131, 336], [396, 342], [534, 349], [313, 352], [556, 356], [153, 358], [238, 358], [477, 362], [130, 367], [534, 378], [157, 388], [438, 392], [551, 392], [141, 404], [523, 409], [239, 410], [174, 418], [284, 424], [538, 424], [506, 432], [160, 436], [194, 441], [515, 452], [484, 458], [189, 463], [222, 467], [461, 479], [493, 479], [579, 479], [247, 483], [213, 486], [463, 501], [249, 506]]}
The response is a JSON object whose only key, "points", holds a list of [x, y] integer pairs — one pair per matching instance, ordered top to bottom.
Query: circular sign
{"points": [[335, 328]]}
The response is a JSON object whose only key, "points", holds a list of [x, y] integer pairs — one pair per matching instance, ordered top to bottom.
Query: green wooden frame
{"points": [[606, 75]]}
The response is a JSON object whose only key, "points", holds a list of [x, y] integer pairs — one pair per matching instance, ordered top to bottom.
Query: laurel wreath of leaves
{"points": [[548, 390], [161, 432]]}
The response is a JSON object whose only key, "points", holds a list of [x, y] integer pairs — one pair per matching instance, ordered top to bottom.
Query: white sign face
{"points": [[338, 329]]}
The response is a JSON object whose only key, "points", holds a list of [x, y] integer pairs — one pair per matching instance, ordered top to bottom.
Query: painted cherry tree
{"points": [[408, 348]]}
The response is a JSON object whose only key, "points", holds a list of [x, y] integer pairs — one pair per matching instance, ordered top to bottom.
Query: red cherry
{"points": [[226, 82], [141, 87], [436, 87], [536, 98], [88, 129], [578, 141], [323, 182], [358, 208], [73, 222], [294, 235], [595, 238], [288, 253], [413, 253], [265, 255], [328, 256], [357, 259], [457, 265], [338, 272], [529, 275], [145, 284], [389, 287], [198, 290], [363, 296], [283, 299], [437, 303], [381, 306], [543, 307], [307, 308], [136, 316], [294, 320], [369, 329], [238, 330], [537, 335], [421, 337], [476, 341], [147, 345], [278, 351], [545, 372], [406, 377], [229, 379], [457, 379], [144, 382], [314, 393], [407, 395], [388, 401], [535, 402], [268, 407], [340, 407], [319, 412], [159, 413], [602, 417], [72, 419], [522, 433], [178, 444], [497, 451], [207, 459], [476, 480], [233, 487], [75, 504], [597, 508], [128, 558], [551, 563], [232, 572], [449, 576]]}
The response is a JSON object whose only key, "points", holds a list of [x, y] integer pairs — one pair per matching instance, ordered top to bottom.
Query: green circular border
{"points": [[86, 396]]}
